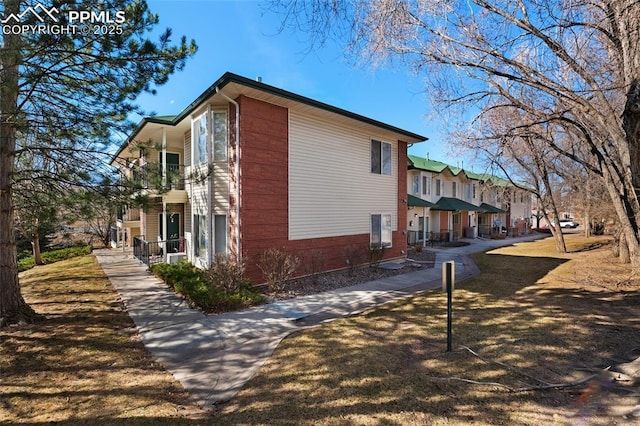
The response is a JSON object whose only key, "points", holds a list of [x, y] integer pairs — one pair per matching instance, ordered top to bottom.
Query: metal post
{"points": [[448, 280]]}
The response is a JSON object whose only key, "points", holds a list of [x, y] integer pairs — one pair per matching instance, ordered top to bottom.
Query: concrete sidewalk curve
{"points": [[214, 356]]}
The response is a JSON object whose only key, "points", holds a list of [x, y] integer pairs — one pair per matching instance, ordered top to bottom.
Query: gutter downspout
{"points": [[237, 173]]}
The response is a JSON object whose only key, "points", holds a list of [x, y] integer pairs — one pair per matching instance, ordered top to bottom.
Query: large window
{"points": [[219, 136], [200, 139], [380, 158], [416, 185], [426, 185], [438, 187], [454, 189], [380, 230], [220, 233], [200, 235]]}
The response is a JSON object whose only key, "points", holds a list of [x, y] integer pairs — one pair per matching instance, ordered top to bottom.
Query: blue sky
{"points": [[240, 37]]}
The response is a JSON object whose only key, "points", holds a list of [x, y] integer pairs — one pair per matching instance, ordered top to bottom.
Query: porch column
{"points": [[164, 158], [424, 226], [164, 228]]}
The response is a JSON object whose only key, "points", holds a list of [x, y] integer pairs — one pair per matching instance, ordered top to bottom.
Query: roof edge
{"points": [[229, 77]]}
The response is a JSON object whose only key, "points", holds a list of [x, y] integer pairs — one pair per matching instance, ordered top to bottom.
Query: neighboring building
{"points": [[307, 177], [447, 203]]}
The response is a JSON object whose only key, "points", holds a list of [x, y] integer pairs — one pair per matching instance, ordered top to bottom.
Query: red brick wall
{"points": [[264, 130], [264, 207]]}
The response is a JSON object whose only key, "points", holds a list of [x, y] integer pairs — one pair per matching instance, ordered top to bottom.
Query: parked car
{"points": [[566, 223]]}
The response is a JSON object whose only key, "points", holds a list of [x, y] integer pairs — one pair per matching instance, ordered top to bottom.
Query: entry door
{"points": [[173, 160], [423, 225], [173, 226], [457, 226]]}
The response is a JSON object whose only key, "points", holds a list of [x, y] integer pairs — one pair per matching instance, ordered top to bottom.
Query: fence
{"points": [[414, 237], [152, 252]]}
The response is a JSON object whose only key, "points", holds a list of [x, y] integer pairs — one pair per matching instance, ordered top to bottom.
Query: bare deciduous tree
{"points": [[570, 65]]}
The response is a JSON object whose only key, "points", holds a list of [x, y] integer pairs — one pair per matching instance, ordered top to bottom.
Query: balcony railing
{"points": [[149, 176], [129, 215], [415, 237], [152, 252]]}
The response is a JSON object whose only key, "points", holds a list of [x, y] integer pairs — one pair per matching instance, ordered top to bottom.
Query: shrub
{"points": [[65, 253], [376, 254], [53, 256], [353, 257], [314, 263], [277, 267], [225, 274], [185, 279], [197, 287], [244, 297]]}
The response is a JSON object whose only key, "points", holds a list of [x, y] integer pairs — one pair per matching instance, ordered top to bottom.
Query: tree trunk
{"points": [[631, 125], [587, 222], [556, 231], [35, 244], [623, 250], [13, 308]]}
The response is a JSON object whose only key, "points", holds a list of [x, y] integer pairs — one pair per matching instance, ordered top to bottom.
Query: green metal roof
{"points": [[427, 165], [438, 167], [413, 201], [455, 204], [488, 208]]}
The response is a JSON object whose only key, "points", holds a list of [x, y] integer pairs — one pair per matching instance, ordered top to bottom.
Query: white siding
{"points": [[187, 148], [332, 191], [199, 194], [220, 198]]}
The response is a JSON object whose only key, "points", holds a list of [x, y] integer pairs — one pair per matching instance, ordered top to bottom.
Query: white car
{"points": [[566, 223]]}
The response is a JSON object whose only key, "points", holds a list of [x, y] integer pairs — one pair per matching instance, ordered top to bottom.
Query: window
{"points": [[219, 136], [200, 139], [380, 158], [426, 185], [438, 185], [415, 187], [454, 189], [474, 191], [482, 196], [522, 197], [423, 226], [380, 230], [220, 233], [200, 235]]}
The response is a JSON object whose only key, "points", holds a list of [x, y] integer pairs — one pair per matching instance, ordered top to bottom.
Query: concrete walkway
{"points": [[214, 356]]}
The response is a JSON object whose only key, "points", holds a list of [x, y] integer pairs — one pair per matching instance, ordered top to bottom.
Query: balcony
{"points": [[172, 189], [130, 218]]}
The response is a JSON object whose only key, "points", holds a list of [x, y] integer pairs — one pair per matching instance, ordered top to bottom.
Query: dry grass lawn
{"points": [[533, 317], [548, 319], [85, 364]]}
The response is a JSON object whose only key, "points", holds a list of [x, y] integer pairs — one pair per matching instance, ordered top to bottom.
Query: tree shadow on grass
{"points": [[390, 366]]}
